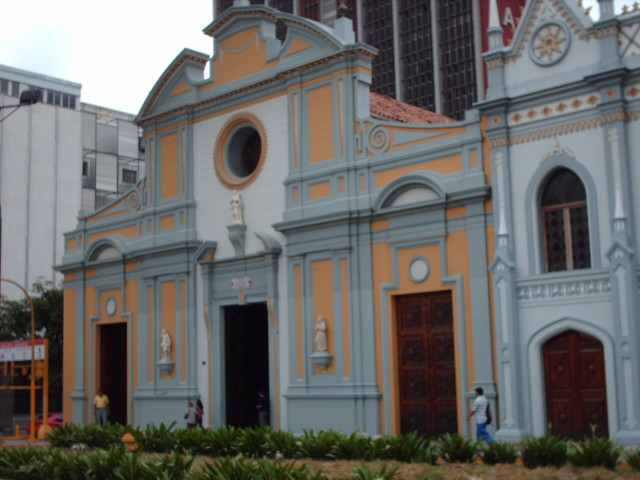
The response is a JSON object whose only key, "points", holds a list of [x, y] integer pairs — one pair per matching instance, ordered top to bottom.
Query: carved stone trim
{"points": [[546, 290]]}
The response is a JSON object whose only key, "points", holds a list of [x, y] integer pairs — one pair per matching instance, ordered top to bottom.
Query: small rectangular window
{"points": [[4, 86], [15, 89], [85, 169], [129, 176]]}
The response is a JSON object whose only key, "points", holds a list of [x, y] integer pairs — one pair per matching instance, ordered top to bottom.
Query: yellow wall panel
{"points": [[298, 46], [239, 56], [183, 87], [320, 124], [170, 160], [445, 166], [319, 190], [456, 212], [168, 222], [380, 225], [127, 232], [72, 243], [322, 272], [382, 274], [169, 305], [131, 307], [90, 310], [151, 313], [346, 319], [299, 320], [183, 321], [69, 352]]}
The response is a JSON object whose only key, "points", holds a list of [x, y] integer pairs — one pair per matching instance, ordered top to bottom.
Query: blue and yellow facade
{"points": [[373, 224]]}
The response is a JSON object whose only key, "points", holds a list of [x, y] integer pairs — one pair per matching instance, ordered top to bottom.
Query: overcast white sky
{"points": [[115, 49]]}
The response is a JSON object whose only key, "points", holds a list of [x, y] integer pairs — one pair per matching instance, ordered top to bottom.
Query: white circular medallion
{"points": [[419, 269], [111, 306]]}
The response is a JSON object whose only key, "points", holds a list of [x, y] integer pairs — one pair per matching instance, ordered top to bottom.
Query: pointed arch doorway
{"points": [[575, 385]]}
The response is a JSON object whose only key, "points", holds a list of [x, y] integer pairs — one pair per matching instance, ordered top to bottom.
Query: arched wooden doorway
{"points": [[575, 385]]}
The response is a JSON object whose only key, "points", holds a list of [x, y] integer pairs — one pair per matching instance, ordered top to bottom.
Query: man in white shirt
{"points": [[479, 409]]}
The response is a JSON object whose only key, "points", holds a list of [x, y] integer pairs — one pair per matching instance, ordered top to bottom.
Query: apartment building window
{"points": [[224, 5], [310, 9], [379, 33], [417, 54], [457, 59], [4, 86], [85, 168], [129, 176]]}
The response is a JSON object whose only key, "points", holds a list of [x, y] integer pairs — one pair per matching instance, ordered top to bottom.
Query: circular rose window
{"points": [[240, 151]]}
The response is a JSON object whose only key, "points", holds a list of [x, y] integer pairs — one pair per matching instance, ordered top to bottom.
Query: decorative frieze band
{"points": [[564, 129], [573, 288]]}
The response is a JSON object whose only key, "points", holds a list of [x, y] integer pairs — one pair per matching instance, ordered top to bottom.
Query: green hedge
{"points": [[259, 443]]}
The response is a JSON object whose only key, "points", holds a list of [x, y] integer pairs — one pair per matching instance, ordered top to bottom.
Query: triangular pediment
{"points": [[253, 45]]}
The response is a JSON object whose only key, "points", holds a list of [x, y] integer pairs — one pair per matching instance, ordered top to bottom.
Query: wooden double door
{"points": [[426, 364], [575, 385]]}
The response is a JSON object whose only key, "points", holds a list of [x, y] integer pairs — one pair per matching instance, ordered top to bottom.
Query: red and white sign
{"points": [[21, 351]]}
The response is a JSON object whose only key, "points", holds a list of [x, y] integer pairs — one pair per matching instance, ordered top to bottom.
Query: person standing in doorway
{"points": [[262, 405], [101, 408], [480, 409], [199, 412], [190, 415]]}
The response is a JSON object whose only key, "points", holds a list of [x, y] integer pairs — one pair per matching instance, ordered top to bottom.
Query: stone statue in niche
{"points": [[236, 208], [321, 336], [165, 346]]}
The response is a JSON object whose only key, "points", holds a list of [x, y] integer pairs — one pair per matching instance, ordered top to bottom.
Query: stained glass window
{"points": [[566, 222]]}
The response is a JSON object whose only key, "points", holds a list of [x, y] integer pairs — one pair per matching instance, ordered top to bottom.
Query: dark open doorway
{"points": [[246, 361], [113, 369]]}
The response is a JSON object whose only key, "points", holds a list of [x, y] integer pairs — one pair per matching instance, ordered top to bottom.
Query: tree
{"points": [[15, 324]]}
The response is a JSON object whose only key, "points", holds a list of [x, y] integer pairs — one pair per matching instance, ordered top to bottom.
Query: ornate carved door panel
{"points": [[426, 363], [575, 385]]}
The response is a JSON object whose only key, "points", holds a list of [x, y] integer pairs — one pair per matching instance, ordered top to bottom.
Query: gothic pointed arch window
{"points": [[565, 222]]}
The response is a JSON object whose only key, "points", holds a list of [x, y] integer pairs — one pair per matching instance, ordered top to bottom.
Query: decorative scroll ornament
{"points": [[379, 139], [134, 200]]}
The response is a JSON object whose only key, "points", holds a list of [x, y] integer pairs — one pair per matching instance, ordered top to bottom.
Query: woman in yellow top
{"points": [[101, 408]]}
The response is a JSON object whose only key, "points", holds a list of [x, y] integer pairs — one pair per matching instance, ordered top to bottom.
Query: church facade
{"points": [[562, 111], [295, 234], [364, 263]]}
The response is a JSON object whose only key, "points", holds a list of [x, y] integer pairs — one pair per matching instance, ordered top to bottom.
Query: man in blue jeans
{"points": [[479, 409]]}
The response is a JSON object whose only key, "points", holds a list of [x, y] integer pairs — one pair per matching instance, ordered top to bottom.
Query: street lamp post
{"points": [[32, 421]]}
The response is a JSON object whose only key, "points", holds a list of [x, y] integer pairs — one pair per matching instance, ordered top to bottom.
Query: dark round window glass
{"points": [[244, 152]]}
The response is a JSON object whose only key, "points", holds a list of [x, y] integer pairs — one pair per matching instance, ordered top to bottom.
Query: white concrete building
{"points": [[56, 157]]}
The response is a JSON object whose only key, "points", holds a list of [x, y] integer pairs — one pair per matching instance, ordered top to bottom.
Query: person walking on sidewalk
{"points": [[480, 409]]}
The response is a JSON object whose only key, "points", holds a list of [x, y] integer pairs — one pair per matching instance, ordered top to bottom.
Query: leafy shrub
{"points": [[159, 439], [220, 442], [252, 442], [281, 444], [317, 446], [356, 446], [410, 447], [454, 448], [545, 451], [595, 451], [499, 452], [632, 457], [171, 467], [239, 468], [365, 473]]}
